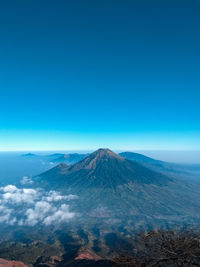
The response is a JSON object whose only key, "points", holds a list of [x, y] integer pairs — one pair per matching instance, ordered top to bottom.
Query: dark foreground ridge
{"points": [[153, 248]]}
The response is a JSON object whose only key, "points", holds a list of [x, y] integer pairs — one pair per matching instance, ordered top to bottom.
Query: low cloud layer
{"points": [[27, 206]]}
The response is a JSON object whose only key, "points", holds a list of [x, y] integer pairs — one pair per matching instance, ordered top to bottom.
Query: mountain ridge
{"points": [[139, 157]]}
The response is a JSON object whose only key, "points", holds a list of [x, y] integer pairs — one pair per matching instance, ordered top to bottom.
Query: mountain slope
{"points": [[181, 171]]}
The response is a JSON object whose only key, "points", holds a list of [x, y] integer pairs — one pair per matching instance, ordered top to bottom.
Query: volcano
{"points": [[104, 168], [110, 186]]}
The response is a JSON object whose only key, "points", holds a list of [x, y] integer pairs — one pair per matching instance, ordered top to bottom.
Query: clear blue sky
{"points": [[88, 74]]}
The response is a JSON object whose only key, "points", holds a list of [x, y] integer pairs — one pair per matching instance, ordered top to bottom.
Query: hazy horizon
{"points": [[174, 156]]}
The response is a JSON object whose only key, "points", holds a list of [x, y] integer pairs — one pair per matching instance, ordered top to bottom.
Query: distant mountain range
{"points": [[182, 170], [185, 171], [112, 187]]}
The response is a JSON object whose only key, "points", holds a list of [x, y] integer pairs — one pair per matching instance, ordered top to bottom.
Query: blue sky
{"points": [[88, 74]]}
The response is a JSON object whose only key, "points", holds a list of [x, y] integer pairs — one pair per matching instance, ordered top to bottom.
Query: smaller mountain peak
{"points": [[29, 155]]}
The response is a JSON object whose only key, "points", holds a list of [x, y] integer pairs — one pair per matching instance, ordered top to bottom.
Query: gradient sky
{"points": [[88, 74]]}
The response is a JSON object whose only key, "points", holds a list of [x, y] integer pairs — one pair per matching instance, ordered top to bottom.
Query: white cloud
{"points": [[26, 180], [9, 188], [12, 194], [55, 196], [27, 206], [37, 214], [5, 215], [60, 215]]}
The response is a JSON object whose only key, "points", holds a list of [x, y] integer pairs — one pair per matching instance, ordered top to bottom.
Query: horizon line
{"points": [[131, 150]]}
